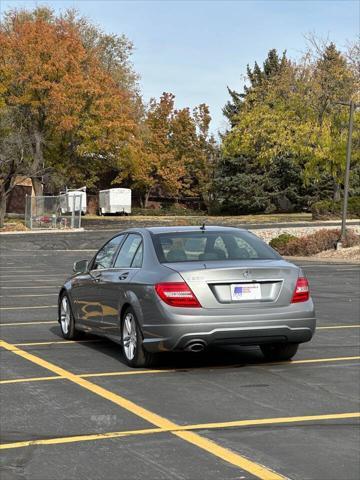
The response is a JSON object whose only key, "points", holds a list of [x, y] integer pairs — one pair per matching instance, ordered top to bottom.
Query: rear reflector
{"points": [[301, 293], [177, 294]]}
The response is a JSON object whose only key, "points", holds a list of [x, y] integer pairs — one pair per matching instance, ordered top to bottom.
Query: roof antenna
{"points": [[203, 227]]}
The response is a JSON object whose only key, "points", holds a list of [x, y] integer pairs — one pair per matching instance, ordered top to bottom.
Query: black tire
{"points": [[67, 326], [279, 352], [139, 357]]}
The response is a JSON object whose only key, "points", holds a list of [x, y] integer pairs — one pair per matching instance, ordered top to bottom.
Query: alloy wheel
{"points": [[65, 315], [129, 336]]}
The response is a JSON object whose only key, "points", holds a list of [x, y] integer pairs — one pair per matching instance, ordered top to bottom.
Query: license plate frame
{"points": [[242, 292]]}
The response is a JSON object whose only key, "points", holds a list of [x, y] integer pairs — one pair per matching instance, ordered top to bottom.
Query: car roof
{"points": [[190, 228]]}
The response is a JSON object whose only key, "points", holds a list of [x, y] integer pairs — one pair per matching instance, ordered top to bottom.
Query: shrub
{"points": [[354, 206], [324, 209], [327, 209], [173, 210], [280, 242], [317, 242]]}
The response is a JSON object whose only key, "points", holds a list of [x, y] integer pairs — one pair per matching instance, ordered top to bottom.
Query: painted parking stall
{"points": [[224, 414]]}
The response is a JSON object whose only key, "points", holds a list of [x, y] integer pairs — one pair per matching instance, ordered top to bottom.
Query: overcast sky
{"points": [[194, 49]]}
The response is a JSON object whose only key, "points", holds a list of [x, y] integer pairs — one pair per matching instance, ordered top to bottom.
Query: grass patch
{"points": [[210, 220], [13, 225]]}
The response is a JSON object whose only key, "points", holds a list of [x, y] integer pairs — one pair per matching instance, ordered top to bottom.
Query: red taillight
{"points": [[301, 292], [177, 294]]}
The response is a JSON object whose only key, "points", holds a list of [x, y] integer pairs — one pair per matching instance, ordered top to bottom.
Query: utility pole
{"points": [[352, 106]]}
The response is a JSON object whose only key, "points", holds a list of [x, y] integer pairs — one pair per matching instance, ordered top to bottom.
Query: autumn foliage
{"points": [[70, 96], [75, 113], [71, 114], [173, 154]]}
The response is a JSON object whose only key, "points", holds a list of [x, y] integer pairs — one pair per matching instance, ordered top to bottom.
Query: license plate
{"points": [[245, 291]]}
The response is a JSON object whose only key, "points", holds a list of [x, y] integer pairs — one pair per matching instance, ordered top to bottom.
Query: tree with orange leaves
{"points": [[74, 91], [173, 153], [151, 160]]}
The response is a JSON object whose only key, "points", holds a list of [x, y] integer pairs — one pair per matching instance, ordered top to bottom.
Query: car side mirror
{"points": [[81, 266]]}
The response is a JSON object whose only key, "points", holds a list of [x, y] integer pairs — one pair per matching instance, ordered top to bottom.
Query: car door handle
{"points": [[96, 276], [123, 276]]}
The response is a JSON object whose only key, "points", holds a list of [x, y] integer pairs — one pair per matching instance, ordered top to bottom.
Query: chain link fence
{"points": [[58, 212]]}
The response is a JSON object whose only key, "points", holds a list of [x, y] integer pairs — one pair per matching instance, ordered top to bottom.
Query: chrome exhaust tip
{"points": [[195, 346]]}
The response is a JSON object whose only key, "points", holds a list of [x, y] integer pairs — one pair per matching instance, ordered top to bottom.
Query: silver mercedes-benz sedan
{"points": [[186, 288]]}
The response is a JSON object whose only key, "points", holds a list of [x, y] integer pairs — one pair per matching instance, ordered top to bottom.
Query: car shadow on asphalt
{"points": [[219, 356]]}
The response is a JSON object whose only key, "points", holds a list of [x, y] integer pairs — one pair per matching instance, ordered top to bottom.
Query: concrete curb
{"points": [[57, 230]]}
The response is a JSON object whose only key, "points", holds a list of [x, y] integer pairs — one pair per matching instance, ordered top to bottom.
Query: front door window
{"points": [[105, 255]]}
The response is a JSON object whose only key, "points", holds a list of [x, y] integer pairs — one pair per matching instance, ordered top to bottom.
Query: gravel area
{"points": [[352, 253]]}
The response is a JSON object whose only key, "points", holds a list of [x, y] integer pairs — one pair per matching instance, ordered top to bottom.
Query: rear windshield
{"points": [[210, 246]]}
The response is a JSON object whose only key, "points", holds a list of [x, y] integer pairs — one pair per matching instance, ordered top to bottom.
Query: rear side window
{"points": [[210, 246], [128, 252], [138, 257]]}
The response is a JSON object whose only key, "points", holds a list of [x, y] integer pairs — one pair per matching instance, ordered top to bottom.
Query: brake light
{"points": [[301, 292], [177, 294]]}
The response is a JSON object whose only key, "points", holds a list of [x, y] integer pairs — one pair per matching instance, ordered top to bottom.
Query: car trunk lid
{"points": [[240, 284]]}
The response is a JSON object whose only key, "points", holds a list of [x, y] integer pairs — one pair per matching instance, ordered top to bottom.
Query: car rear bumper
{"points": [[275, 327]]}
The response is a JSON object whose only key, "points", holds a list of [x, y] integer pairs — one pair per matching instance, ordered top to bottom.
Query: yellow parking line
{"points": [[28, 307], [25, 323], [334, 327], [71, 342], [316, 360], [218, 367], [173, 370], [127, 372], [88, 375], [30, 379], [272, 421], [182, 428], [79, 438], [225, 454], [256, 469]]}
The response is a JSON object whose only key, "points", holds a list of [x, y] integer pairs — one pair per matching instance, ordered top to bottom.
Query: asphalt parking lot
{"points": [[74, 410]]}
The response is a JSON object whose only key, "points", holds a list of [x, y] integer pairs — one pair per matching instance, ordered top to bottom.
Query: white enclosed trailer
{"points": [[115, 200], [73, 201]]}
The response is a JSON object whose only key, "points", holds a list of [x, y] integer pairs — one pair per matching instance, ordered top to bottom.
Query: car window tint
{"points": [[210, 246], [194, 247], [220, 248], [244, 249], [127, 251], [105, 255], [138, 258]]}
